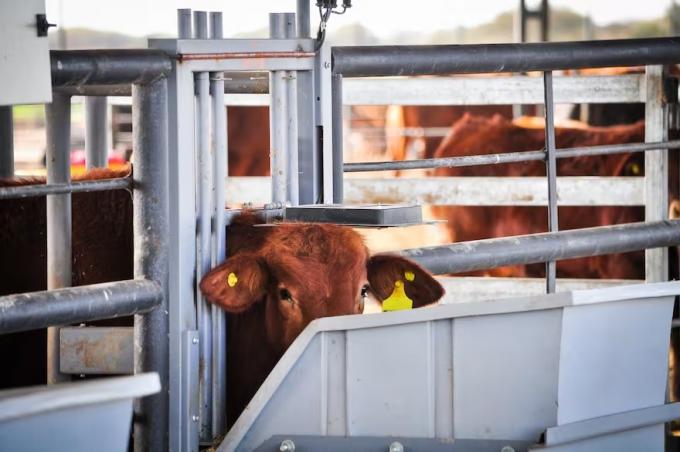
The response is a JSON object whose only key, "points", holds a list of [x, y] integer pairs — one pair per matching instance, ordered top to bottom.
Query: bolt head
{"points": [[326, 64], [194, 341], [194, 418], [287, 445], [396, 447], [508, 449]]}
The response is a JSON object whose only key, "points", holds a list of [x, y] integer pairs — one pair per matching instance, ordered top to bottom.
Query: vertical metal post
{"points": [[302, 13], [544, 17], [520, 22], [184, 23], [200, 25], [323, 80], [279, 114], [58, 120], [96, 137], [308, 140], [6, 142], [219, 145], [292, 154], [338, 157], [656, 169], [551, 172], [204, 214], [151, 228]]}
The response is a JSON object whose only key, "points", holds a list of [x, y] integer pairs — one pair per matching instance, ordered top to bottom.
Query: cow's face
{"points": [[304, 272]]}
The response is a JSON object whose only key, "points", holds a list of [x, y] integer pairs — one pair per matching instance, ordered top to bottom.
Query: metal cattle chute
{"points": [[473, 359]]}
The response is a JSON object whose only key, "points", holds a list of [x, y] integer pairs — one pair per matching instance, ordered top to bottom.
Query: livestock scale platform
{"points": [[576, 371]]}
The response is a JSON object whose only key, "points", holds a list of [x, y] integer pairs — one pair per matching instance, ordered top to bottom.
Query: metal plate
{"points": [[357, 215]]}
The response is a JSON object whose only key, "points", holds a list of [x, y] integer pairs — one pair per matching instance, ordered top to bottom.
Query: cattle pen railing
{"points": [[381, 61], [146, 295]]}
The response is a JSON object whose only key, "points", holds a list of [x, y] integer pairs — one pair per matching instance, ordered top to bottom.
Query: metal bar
{"points": [[302, 13], [544, 16], [184, 23], [200, 25], [243, 55], [371, 61], [108, 67], [246, 83], [95, 90], [278, 115], [58, 119], [219, 125], [337, 131], [96, 139], [6, 142], [292, 151], [507, 157], [656, 169], [551, 172], [28, 191], [204, 213], [151, 230], [536, 248], [36, 310], [97, 350], [602, 426]]}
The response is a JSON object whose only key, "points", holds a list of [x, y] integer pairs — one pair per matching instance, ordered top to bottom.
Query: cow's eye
{"points": [[364, 291], [285, 295]]}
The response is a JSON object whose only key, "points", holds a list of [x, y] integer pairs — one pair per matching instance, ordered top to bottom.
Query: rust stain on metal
{"points": [[242, 55]]}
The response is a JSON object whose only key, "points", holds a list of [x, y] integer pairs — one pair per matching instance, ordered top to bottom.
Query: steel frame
{"points": [[146, 70], [195, 333]]}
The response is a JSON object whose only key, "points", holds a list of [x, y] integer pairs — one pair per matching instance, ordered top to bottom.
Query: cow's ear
{"points": [[237, 283], [401, 284]]}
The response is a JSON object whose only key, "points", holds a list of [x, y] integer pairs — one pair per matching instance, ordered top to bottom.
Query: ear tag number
{"points": [[232, 279], [398, 300]]}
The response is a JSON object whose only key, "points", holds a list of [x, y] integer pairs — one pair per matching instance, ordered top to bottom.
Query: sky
{"points": [[384, 18]]}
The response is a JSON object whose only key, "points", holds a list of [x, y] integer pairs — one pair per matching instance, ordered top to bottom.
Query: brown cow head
{"points": [[300, 272]]}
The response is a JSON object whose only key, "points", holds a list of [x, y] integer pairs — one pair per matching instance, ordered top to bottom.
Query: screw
{"points": [[326, 64], [194, 341], [194, 418], [287, 445], [396, 447], [507, 449]]}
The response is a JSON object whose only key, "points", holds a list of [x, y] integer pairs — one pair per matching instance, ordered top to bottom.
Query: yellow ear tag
{"points": [[410, 276], [232, 279], [398, 300]]}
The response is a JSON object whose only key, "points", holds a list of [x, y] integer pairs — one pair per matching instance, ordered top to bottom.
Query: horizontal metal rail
{"points": [[372, 61], [108, 67], [507, 157], [28, 191], [549, 246], [34, 310]]}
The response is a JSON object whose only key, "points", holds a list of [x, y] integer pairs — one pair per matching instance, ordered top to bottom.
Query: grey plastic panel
{"points": [[622, 336], [492, 370], [505, 375], [75, 417]]}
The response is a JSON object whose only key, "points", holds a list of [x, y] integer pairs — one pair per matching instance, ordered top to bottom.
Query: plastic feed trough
{"points": [[588, 366], [76, 417]]}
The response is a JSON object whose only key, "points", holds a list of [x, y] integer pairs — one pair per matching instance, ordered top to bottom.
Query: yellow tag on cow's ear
{"points": [[409, 275], [232, 279], [398, 300]]}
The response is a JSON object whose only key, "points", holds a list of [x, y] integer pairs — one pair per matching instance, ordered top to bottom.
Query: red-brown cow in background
{"points": [[425, 116], [476, 135], [248, 141], [278, 279]]}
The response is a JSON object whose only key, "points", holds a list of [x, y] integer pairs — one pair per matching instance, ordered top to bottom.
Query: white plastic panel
{"points": [[25, 58]]}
